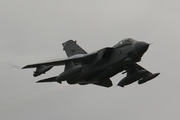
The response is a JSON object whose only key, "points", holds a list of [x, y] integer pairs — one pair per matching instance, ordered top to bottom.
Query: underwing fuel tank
{"points": [[42, 70], [69, 73], [132, 78], [148, 78]]}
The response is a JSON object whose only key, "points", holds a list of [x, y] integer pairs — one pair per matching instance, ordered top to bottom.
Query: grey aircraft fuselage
{"points": [[96, 68], [100, 68]]}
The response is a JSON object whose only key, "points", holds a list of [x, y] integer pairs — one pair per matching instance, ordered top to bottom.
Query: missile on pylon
{"points": [[42, 70], [132, 78], [148, 78]]}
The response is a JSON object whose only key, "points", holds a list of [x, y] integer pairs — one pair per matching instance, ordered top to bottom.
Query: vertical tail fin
{"points": [[71, 48]]}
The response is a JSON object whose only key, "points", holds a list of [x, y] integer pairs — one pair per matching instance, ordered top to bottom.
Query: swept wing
{"points": [[76, 58]]}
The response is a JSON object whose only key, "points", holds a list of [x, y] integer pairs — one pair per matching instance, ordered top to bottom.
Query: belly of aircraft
{"points": [[95, 74]]}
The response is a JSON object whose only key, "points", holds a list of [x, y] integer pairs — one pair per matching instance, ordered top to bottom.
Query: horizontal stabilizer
{"points": [[52, 79]]}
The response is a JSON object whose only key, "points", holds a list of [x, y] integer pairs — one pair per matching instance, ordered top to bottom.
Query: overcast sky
{"points": [[33, 30]]}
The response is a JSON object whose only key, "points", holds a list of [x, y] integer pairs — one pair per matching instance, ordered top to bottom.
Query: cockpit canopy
{"points": [[123, 42]]}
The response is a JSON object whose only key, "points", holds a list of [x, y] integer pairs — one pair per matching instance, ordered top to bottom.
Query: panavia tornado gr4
{"points": [[98, 67]]}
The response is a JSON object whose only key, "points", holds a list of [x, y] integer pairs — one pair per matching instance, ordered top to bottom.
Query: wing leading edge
{"points": [[76, 58]]}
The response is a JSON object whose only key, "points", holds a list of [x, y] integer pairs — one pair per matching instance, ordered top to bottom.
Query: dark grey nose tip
{"points": [[141, 47]]}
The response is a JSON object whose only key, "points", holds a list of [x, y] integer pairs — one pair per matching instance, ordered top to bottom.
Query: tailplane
{"points": [[71, 48]]}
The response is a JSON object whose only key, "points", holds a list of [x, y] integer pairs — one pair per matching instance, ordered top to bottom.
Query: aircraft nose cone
{"points": [[141, 47]]}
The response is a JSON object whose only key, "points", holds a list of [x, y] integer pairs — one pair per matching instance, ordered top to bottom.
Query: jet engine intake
{"points": [[69, 73]]}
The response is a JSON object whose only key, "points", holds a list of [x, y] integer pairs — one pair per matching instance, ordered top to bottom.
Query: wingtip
{"points": [[27, 66], [24, 67], [156, 74], [40, 81]]}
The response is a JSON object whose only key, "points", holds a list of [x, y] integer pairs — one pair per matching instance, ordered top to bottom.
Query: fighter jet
{"points": [[98, 67]]}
